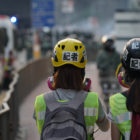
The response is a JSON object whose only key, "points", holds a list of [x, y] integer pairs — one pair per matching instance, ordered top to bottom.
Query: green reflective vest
{"points": [[91, 106], [121, 116]]}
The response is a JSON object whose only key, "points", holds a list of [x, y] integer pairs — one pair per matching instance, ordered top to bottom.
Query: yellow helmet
{"points": [[69, 51]]}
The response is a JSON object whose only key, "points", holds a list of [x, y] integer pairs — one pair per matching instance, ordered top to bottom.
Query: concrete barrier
{"points": [[24, 81]]}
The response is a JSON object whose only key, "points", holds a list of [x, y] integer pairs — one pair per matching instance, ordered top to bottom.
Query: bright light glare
{"points": [[13, 19], [46, 29]]}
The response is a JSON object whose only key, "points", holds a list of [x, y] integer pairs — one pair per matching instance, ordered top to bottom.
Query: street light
{"points": [[13, 19]]}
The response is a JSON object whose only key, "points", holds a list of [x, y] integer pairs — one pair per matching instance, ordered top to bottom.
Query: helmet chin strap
{"points": [[118, 69]]}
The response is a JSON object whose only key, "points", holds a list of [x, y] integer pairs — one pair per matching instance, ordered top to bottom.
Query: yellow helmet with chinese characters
{"points": [[69, 51]]}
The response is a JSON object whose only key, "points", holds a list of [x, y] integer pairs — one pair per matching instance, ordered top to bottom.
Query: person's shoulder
{"points": [[101, 51], [117, 53], [43, 94], [40, 95], [92, 95], [116, 95], [39, 98], [118, 98], [92, 99]]}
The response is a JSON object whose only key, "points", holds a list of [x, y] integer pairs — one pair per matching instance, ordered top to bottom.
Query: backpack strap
{"points": [[52, 103]]}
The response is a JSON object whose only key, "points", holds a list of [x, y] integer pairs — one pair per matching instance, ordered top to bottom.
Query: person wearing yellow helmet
{"points": [[69, 51], [69, 107]]}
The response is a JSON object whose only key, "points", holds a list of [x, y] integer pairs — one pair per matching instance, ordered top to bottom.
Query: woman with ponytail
{"points": [[125, 107]]}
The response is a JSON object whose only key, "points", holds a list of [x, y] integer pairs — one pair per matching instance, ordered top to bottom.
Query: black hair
{"points": [[133, 98]]}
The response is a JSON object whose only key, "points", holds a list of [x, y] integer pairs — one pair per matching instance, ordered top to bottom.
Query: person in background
{"points": [[107, 58], [69, 61], [107, 61], [8, 69], [125, 107]]}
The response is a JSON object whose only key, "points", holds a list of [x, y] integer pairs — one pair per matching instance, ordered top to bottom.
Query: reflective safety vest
{"points": [[91, 106], [121, 116]]}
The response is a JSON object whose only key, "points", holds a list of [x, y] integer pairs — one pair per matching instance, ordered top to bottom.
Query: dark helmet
{"points": [[108, 43], [131, 55]]}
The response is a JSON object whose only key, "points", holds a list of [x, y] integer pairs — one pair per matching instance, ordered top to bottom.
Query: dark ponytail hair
{"points": [[133, 99]]}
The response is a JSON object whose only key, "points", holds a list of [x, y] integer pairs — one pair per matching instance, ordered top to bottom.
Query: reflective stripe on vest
{"points": [[91, 106], [40, 108], [90, 111], [41, 115], [121, 116], [127, 135]]}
